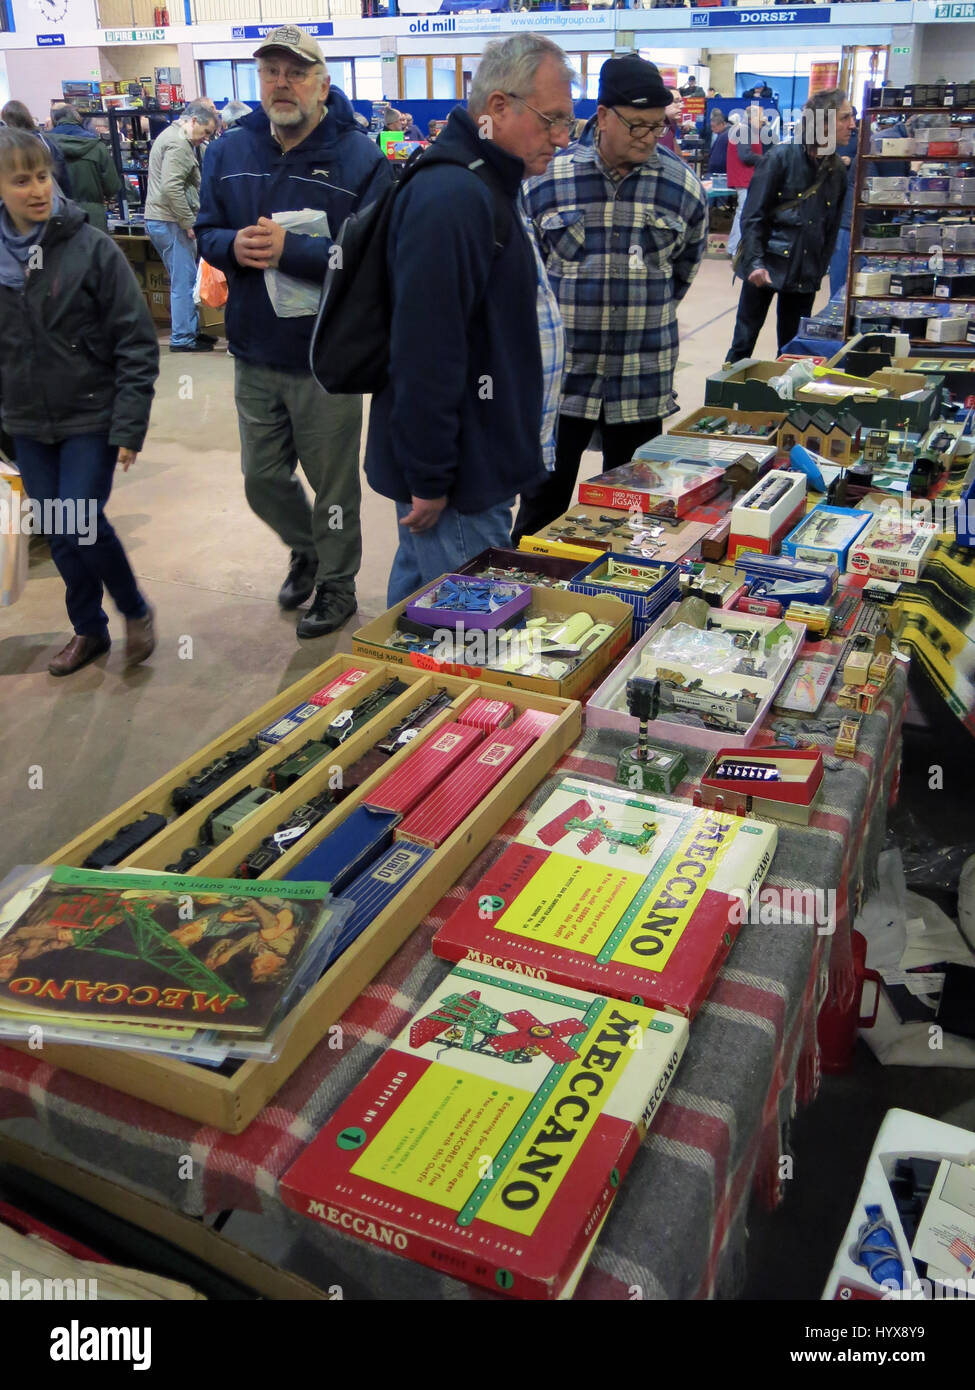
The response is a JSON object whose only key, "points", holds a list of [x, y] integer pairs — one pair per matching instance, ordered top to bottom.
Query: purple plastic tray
{"points": [[420, 610]]}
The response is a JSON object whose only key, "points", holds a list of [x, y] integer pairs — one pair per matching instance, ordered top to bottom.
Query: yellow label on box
{"points": [[571, 904], [447, 1123], [564, 1123]]}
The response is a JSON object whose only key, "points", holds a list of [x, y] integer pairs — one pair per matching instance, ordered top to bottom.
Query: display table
{"points": [[677, 1229]]}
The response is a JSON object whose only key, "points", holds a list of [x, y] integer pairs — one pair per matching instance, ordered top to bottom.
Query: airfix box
{"points": [[670, 488], [765, 514], [825, 535], [889, 549], [339, 686], [426, 767], [782, 783], [440, 813], [346, 852], [598, 891], [489, 1068]]}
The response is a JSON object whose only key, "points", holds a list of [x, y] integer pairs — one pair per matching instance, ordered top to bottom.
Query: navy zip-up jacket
{"points": [[336, 169], [461, 415]]}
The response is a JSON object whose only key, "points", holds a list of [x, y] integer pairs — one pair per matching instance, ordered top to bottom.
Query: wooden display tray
{"points": [[739, 417], [230, 1103]]}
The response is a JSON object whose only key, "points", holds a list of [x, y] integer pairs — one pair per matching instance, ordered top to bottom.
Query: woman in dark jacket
{"points": [[91, 169], [790, 222], [78, 364]]}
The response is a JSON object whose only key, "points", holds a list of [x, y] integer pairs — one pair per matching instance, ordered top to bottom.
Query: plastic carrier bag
{"points": [[211, 286], [290, 297], [14, 542]]}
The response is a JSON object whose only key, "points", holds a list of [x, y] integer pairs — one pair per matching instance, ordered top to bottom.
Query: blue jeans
{"points": [[179, 258], [838, 264], [456, 538], [88, 554]]}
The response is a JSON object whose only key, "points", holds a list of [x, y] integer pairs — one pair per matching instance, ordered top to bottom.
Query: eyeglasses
{"points": [[294, 77], [557, 125], [639, 129]]}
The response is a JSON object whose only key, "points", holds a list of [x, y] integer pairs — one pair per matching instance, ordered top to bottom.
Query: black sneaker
{"points": [[198, 345], [300, 580], [329, 611]]}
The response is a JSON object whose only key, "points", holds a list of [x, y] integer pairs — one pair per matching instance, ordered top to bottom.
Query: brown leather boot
{"points": [[140, 638], [79, 651]]}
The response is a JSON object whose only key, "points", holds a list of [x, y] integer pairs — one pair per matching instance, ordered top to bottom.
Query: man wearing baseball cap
{"points": [[302, 152], [623, 227]]}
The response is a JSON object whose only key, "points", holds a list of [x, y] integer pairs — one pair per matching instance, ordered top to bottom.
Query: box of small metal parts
{"points": [[734, 426], [766, 513], [625, 533], [826, 534], [522, 567], [648, 586], [564, 643], [716, 683], [231, 1097]]}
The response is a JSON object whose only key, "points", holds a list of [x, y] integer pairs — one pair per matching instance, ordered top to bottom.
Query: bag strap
{"points": [[482, 170], [813, 187]]}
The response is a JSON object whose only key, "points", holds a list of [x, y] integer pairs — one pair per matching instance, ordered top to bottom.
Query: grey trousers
{"points": [[285, 418]]}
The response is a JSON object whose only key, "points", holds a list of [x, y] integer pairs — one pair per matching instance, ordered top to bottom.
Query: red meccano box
{"points": [[425, 768], [434, 820]]}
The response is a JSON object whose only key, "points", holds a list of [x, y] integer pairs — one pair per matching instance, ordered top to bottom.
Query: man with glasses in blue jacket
{"points": [[622, 224]]}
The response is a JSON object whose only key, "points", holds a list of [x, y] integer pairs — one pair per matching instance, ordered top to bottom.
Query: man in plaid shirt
{"points": [[622, 227]]}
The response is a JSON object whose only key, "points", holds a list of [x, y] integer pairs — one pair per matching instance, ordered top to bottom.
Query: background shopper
{"points": [[301, 151], [94, 177], [172, 202], [790, 223], [623, 229], [78, 364], [453, 447]]}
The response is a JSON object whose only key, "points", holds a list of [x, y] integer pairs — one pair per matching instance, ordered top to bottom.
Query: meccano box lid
{"points": [[635, 895], [491, 1137]]}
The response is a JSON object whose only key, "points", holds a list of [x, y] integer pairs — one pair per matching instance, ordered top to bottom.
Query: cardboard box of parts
{"points": [[911, 397], [558, 603], [230, 1101]]}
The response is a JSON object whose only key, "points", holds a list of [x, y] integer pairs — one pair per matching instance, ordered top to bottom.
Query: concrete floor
{"points": [[212, 571]]}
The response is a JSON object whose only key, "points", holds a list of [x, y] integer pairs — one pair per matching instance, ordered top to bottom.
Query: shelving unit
{"points": [[130, 125], [862, 208]]}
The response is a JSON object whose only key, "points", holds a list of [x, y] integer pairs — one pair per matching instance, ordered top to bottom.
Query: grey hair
{"points": [[511, 65], [199, 111], [233, 111]]}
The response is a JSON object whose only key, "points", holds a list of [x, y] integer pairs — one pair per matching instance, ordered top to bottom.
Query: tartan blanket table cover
{"points": [[677, 1229]]}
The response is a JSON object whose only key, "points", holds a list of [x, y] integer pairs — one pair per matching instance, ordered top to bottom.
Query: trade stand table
{"points": [[677, 1229]]}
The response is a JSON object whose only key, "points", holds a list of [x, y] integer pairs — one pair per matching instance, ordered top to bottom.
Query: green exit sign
{"points": [[895, 51]]}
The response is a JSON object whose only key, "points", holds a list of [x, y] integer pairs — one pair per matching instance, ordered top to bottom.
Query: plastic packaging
{"points": [[290, 297]]}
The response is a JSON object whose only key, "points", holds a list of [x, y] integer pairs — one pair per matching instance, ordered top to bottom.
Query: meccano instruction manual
{"points": [[632, 895], [490, 1139]]}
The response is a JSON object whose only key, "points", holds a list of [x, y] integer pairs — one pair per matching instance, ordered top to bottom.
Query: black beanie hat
{"points": [[632, 81]]}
